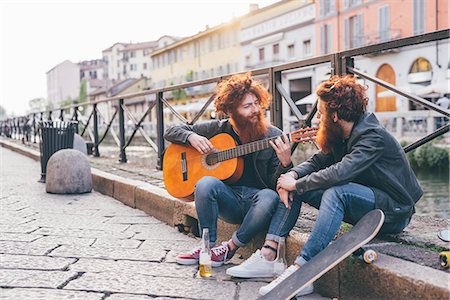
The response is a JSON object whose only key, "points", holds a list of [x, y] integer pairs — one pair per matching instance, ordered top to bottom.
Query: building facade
{"points": [[63, 83]]}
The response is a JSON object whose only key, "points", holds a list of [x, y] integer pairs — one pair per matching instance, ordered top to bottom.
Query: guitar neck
{"points": [[298, 136], [245, 149]]}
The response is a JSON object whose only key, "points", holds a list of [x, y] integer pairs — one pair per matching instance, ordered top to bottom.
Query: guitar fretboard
{"points": [[240, 150]]}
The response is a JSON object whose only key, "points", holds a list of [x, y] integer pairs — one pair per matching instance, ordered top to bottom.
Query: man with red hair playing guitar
{"points": [[251, 200]]}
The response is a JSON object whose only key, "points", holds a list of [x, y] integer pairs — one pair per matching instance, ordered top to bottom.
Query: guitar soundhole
{"points": [[210, 161]]}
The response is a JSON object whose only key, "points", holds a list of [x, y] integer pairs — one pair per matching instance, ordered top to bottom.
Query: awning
{"points": [[409, 88], [435, 90], [310, 99]]}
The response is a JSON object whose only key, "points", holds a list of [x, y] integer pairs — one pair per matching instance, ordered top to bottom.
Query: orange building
{"points": [[346, 24]]}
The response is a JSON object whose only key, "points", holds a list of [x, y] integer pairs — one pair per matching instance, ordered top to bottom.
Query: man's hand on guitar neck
{"points": [[200, 143], [282, 149]]}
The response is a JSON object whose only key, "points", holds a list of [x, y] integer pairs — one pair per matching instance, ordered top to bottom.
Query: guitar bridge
{"points": [[184, 166]]}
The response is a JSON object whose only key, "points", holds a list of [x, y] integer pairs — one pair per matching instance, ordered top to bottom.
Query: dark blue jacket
{"points": [[371, 157]]}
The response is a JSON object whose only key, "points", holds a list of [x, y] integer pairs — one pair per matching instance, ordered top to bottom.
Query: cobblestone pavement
{"points": [[91, 246]]}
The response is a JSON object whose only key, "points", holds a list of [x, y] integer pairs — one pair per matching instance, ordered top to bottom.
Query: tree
{"points": [[82, 98]]}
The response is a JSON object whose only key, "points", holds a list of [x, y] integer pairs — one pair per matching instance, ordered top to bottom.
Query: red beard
{"points": [[250, 129], [329, 134]]}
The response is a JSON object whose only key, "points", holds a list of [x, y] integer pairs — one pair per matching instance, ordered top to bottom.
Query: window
{"points": [[351, 3], [326, 7], [418, 17], [384, 23], [353, 35], [325, 39], [211, 44], [307, 48], [291, 51], [276, 52], [132, 54], [261, 54], [248, 61], [420, 65], [144, 66]]}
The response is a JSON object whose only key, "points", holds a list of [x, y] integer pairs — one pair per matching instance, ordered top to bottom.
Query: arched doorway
{"points": [[385, 73]]}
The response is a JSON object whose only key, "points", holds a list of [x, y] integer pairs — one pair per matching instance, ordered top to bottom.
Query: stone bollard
{"points": [[79, 144], [68, 172]]}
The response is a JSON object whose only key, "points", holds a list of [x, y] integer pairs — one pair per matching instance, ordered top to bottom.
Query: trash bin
{"points": [[54, 136]]}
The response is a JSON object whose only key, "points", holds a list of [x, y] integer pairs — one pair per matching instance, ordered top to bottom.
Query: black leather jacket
{"points": [[371, 157], [267, 165]]}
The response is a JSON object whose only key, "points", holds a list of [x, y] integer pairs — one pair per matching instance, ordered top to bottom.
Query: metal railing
{"points": [[25, 127]]}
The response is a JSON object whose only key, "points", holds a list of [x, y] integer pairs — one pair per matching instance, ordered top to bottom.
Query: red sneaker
{"points": [[219, 254], [190, 258]]}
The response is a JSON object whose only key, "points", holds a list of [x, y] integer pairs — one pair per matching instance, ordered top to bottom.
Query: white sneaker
{"points": [[256, 266], [309, 289]]}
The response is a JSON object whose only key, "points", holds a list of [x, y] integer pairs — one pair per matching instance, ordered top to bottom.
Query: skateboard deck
{"points": [[364, 231]]}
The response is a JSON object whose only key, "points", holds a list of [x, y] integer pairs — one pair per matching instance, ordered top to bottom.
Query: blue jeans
{"points": [[348, 202], [251, 207]]}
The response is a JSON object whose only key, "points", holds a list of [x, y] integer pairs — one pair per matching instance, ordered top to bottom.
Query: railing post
{"points": [[276, 111], [61, 114], [50, 116], [95, 117], [75, 118], [34, 128], [160, 129], [16, 130], [123, 155]]}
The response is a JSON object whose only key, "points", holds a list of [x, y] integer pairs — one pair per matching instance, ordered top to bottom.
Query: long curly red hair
{"points": [[230, 92], [345, 96]]}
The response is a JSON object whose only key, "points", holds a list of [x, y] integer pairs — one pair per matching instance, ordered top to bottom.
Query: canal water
{"points": [[435, 201]]}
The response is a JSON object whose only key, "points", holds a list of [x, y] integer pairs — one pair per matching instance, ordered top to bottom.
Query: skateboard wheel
{"points": [[369, 256], [444, 259]]}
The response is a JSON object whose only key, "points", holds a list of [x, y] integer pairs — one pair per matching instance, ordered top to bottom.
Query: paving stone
{"points": [[26, 212], [121, 213], [14, 220], [133, 220], [78, 222], [24, 228], [161, 232], [84, 233], [18, 237], [62, 240], [119, 243], [9, 247], [174, 248], [109, 253], [8, 261], [134, 267], [33, 278], [155, 286], [249, 290], [47, 294], [131, 297], [139, 297]]}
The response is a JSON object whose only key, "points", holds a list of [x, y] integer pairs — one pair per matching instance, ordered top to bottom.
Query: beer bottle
{"points": [[205, 255]]}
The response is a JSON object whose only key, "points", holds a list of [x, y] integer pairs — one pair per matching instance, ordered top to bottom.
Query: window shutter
{"points": [[360, 30], [346, 33], [329, 48]]}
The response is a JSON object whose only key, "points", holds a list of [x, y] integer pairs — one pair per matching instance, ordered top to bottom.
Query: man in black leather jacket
{"points": [[360, 167], [252, 200]]}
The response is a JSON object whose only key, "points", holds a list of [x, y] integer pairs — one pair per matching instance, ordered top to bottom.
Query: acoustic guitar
{"points": [[184, 166]]}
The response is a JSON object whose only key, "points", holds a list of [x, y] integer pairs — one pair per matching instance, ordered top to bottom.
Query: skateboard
{"points": [[364, 231], [444, 256]]}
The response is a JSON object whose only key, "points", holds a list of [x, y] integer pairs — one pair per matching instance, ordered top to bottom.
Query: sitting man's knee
{"points": [[207, 184]]}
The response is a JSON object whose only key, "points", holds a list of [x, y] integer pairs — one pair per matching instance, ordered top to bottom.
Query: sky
{"points": [[37, 35]]}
